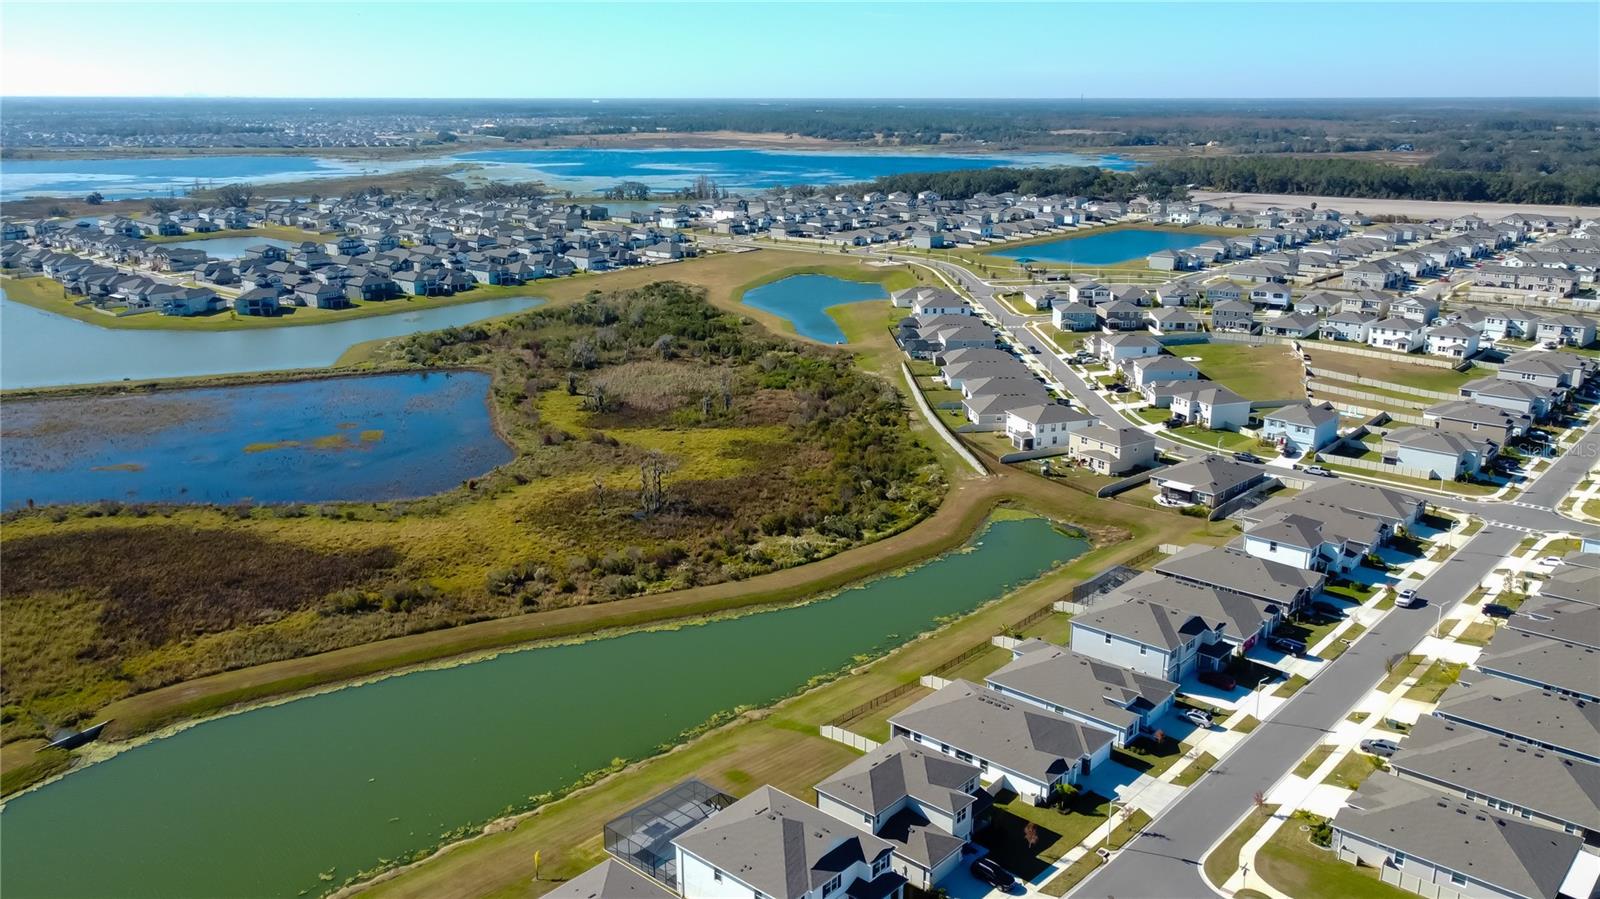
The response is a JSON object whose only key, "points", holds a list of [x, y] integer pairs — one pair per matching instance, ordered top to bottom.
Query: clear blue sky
{"points": [[799, 49]]}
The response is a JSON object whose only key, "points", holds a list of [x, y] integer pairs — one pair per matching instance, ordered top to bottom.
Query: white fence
{"points": [[1320, 346], [1387, 385], [1340, 390], [1359, 411], [938, 425], [1365, 465], [1005, 642], [934, 682], [848, 738]]}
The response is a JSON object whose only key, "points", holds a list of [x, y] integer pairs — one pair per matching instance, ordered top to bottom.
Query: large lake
{"points": [[568, 169], [742, 169], [1107, 247], [804, 300], [42, 349], [354, 438], [262, 803]]}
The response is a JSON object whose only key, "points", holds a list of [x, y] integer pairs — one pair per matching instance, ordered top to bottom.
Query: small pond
{"points": [[804, 300], [355, 438]]}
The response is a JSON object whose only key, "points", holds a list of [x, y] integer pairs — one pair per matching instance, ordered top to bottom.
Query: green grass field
{"points": [[1265, 372], [1294, 866]]}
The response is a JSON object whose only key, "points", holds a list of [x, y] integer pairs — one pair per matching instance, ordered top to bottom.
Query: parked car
{"points": [[1034, 350], [1176, 421], [1252, 458], [1317, 471], [1551, 560], [1413, 601], [1323, 607], [1496, 610], [1289, 645], [1222, 680], [1197, 717], [1380, 748], [989, 872]]}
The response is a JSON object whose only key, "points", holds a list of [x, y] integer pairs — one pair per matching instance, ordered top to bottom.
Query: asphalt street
{"points": [[1164, 861]]}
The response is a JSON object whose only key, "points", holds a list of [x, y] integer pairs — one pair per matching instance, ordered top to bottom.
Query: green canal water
{"points": [[297, 797]]}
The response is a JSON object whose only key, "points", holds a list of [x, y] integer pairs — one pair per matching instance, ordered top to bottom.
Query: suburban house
{"points": [[1270, 295], [1418, 309], [1233, 315], [1074, 317], [1172, 320], [1295, 324], [1348, 325], [1568, 330], [1401, 335], [1452, 339], [1115, 348], [1547, 368], [1145, 370], [1516, 397], [989, 404], [1212, 406], [1477, 420], [1045, 426], [1301, 428], [1113, 451], [1443, 454], [1210, 481], [1353, 519], [1234, 569], [1167, 628], [1543, 661], [1124, 703], [1526, 714], [1016, 745], [1500, 774], [922, 801], [773, 845], [1436, 845], [610, 879]]}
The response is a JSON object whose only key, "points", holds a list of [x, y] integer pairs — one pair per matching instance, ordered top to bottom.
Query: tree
{"points": [[445, 137], [235, 196], [94, 199], [163, 205], [56, 212], [653, 469]]}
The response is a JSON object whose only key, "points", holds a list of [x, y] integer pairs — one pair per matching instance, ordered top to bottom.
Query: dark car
{"points": [[1118, 388], [1176, 421], [1252, 458], [1322, 607], [1496, 610], [1288, 645], [1222, 680], [1380, 748], [992, 874]]}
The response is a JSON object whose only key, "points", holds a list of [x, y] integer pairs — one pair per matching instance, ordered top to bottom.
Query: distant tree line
{"points": [[1263, 174]]}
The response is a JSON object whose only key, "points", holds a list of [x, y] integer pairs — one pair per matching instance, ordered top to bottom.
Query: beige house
{"points": [[1113, 451]]}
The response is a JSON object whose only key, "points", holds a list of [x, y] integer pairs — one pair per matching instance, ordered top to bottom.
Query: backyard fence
{"points": [[1408, 358], [1387, 385], [1340, 390], [1368, 411], [1365, 465], [934, 682], [853, 740]]}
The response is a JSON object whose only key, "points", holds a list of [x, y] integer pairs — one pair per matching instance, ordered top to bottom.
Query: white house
{"points": [[1399, 334], [1452, 339], [1115, 348], [1212, 406], [1045, 426], [1301, 428], [1017, 744], [919, 799], [773, 845]]}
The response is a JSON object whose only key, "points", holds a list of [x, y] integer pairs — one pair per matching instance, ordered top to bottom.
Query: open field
{"points": [[1420, 210], [1395, 371], [1266, 372]]}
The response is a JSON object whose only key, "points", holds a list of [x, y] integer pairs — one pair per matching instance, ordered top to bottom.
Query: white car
{"points": [[1551, 560], [1198, 717]]}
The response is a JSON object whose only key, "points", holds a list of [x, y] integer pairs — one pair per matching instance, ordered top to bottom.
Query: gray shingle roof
{"points": [[1240, 572], [1539, 659], [1081, 684], [1526, 711], [1015, 735], [1469, 759], [898, 769], [778, 844], [1528, 859], [610, 879]]}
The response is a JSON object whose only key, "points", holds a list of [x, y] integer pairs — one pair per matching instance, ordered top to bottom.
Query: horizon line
{"points": [[705, 99]]}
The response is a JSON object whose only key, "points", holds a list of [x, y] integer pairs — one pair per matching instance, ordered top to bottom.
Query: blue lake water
{"points": [[569, 169], [743, 169], [128, 178], [1108, 247], [231, 248], [803, 300], [42, 349], [353, 438], [292, 799]]}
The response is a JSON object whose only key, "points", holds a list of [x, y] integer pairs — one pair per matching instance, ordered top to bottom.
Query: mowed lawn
{"points": [[1396, 371], [1267, 372]]}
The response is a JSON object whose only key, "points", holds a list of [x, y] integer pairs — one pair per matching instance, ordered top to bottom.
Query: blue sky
{"points": [[291, 48]]}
